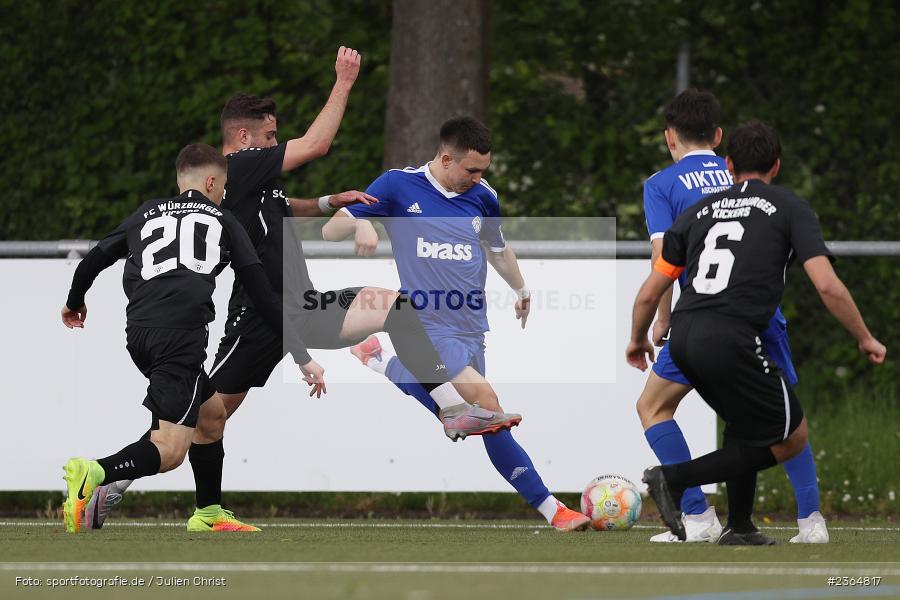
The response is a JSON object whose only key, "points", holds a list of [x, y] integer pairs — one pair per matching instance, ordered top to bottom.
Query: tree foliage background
{"points": [[99, 97]]}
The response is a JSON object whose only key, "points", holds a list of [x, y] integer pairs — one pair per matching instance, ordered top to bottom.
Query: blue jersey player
{"points": [[691, 134], [443, 220]]}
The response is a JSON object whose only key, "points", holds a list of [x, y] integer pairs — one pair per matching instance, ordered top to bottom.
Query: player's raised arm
{"points": [[318, 138], [839, 301]]}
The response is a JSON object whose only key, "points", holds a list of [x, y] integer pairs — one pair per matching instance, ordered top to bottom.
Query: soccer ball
{"points": [[612, 502]]}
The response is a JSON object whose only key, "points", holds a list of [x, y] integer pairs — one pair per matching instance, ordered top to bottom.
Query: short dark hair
{"points": [[246, 107], [694, 115], [466, 133], [753, 147], [194, 156]]}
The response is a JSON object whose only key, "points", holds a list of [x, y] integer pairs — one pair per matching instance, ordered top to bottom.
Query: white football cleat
{"points": [[102, 502], [704, 527], [812, 530]]}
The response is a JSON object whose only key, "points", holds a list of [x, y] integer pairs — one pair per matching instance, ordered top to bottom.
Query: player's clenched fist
{"points": [[347, 64], [875, 350]]}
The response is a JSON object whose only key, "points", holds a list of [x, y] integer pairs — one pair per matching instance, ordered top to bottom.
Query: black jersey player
{"points": [[735, 247], [175, 248]]}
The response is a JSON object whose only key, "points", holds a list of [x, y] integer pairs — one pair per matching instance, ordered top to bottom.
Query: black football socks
{"points": [[139, 459], [206, 462], [730, 462], [741, 493]]}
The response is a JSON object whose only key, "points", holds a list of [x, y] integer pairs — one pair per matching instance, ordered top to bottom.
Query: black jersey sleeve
{"points": [[252, 168], [806, 233], [116, 243], [240, 248], [105, 254], [85, 274], [266, 301]]}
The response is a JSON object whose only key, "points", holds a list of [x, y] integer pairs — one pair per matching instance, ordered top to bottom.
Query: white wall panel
{"points": [[76, 393]]}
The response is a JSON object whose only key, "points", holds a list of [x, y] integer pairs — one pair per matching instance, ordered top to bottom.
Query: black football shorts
{"points": [[249, 351], [172, 359], [725, 361]]}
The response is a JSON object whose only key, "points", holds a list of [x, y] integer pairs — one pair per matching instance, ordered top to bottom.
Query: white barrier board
{"points": [[77, 393]]}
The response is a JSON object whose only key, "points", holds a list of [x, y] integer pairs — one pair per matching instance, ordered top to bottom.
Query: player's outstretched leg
{"points": [[384, 310], [461, 418], [508, 457]]}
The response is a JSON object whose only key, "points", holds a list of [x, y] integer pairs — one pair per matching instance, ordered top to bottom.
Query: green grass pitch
{"points": [[432, 560]]}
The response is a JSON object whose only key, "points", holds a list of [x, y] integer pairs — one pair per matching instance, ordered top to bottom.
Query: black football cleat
{"points": [[668, 508], [731, 537]]}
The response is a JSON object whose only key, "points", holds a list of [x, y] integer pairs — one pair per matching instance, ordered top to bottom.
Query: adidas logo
{"points": [[710, 164], [414, 208], [516, 472]]}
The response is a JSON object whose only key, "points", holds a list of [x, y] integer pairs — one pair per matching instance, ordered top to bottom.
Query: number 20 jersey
{"points": [[175, 247], [735, 247]]}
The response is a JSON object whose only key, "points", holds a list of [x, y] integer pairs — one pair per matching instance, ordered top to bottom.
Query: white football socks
{"points": [[380, 365], [445, 396], [549, 507]]}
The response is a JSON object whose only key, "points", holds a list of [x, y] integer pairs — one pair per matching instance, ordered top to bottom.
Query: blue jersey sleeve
{"points": [[381, 189], [657, 208], [490, 229]]}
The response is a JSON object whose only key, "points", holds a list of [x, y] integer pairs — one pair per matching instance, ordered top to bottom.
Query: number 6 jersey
{"points": [[175, 247], [735, 247]]}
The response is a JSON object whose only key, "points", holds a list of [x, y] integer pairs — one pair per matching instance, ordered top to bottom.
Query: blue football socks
{"points": [[670, 447], [801, 470]]}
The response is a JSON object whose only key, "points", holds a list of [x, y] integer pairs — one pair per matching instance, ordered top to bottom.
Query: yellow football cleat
{"points": [[81, 476], [216, 518]]}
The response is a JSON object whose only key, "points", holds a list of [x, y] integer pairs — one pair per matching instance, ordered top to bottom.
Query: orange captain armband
{"points": [[667, 269]]}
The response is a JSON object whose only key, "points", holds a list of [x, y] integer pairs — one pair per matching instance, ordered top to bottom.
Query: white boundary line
{"points": [[382, 525], [458, 568]]}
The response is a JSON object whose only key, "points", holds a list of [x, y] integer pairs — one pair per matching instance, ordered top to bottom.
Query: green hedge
{"points": [[99, 96]]}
